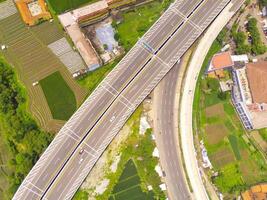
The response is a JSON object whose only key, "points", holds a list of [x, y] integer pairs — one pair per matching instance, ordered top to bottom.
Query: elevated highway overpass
{"points": [[62, 168]]}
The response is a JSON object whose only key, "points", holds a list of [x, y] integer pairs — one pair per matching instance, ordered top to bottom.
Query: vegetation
{"points": [[263, 3], [61, 6], [137, 21], [240, 39], [257, 46], [33, 60], [92, 79], [59, 96], [217, 124], [19, 132], [263, 133], [139, 148], [128, 186], [81, 195]]}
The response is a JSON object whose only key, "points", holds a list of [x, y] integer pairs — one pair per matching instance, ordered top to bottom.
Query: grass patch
{"points": [[60, 6], [136, 22], [92, 79], [60, 98], [263, 133], [234, 144], [230, 179], [128, 186], [81, 195]]}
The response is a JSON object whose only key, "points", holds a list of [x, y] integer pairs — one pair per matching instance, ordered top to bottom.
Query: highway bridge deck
{"points": [[61, 169]]}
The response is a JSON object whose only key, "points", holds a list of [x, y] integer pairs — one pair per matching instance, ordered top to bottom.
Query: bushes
{"points": [[240, 40], [257, 47], [24, 139]]}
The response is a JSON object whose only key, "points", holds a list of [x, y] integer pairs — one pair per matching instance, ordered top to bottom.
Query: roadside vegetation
{"points": [[137, 21], [60, 98], [22, 141], [137, 149], [238, 163], [128, 186]]}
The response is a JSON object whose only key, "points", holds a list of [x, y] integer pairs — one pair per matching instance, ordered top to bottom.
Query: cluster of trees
{"points": [[263, 2], [240, 40], [257, 46], [19, 131]]}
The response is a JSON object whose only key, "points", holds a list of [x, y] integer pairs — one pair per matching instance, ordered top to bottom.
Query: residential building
{"points": [[33, 11], [218, 64], [249, 94], [257, 192]]}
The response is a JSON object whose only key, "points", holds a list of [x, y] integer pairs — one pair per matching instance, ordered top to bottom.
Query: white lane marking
{"points": [[187, 19], [161, 61], [117, 92], [131, 106], [34, 185], [31, 190]]}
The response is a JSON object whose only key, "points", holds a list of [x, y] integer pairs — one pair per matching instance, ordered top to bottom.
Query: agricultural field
{"points": [[60, 6], [28, 52], [60, 98], [232, 154], [4, 169], [128, 186]]}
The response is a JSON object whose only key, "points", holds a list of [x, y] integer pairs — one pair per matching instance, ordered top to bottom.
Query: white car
{"points": [[112, 118], [81, 151], [81, 161]]}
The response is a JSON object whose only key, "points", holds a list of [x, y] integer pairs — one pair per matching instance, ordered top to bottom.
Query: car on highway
{"points": [[112, 118], [81, 151], [81, 160]]}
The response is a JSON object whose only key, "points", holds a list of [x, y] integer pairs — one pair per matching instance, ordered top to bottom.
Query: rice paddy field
{"points": [[28, 52], [60, 98], [231, 152], [128, 186]]}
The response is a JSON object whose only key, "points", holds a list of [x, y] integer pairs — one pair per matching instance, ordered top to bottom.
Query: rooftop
{"points": [[221, 60], [257, 78]]}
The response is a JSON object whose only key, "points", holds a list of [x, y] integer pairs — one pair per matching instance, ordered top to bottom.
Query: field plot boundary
{"points": [[34, 61]]}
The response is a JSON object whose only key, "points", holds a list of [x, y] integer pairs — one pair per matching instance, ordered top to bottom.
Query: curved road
{"points": [[186, 105], [166, 131], [63, 167]]}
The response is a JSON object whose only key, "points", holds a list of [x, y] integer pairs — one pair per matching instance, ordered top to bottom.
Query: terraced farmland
{"points": [[28, 52]]}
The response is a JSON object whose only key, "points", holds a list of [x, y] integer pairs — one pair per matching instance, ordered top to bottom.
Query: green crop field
{"points": [[60, 6], [33, 60], [60, 98], [239, 165], [128, 186]]}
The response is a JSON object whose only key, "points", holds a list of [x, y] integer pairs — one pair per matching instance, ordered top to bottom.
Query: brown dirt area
{"points": [[214, 110], [215, 133], [222, 157]]}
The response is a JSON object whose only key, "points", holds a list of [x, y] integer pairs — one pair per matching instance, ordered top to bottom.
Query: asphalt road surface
{"points": [[165, 120], [62, 168]]}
